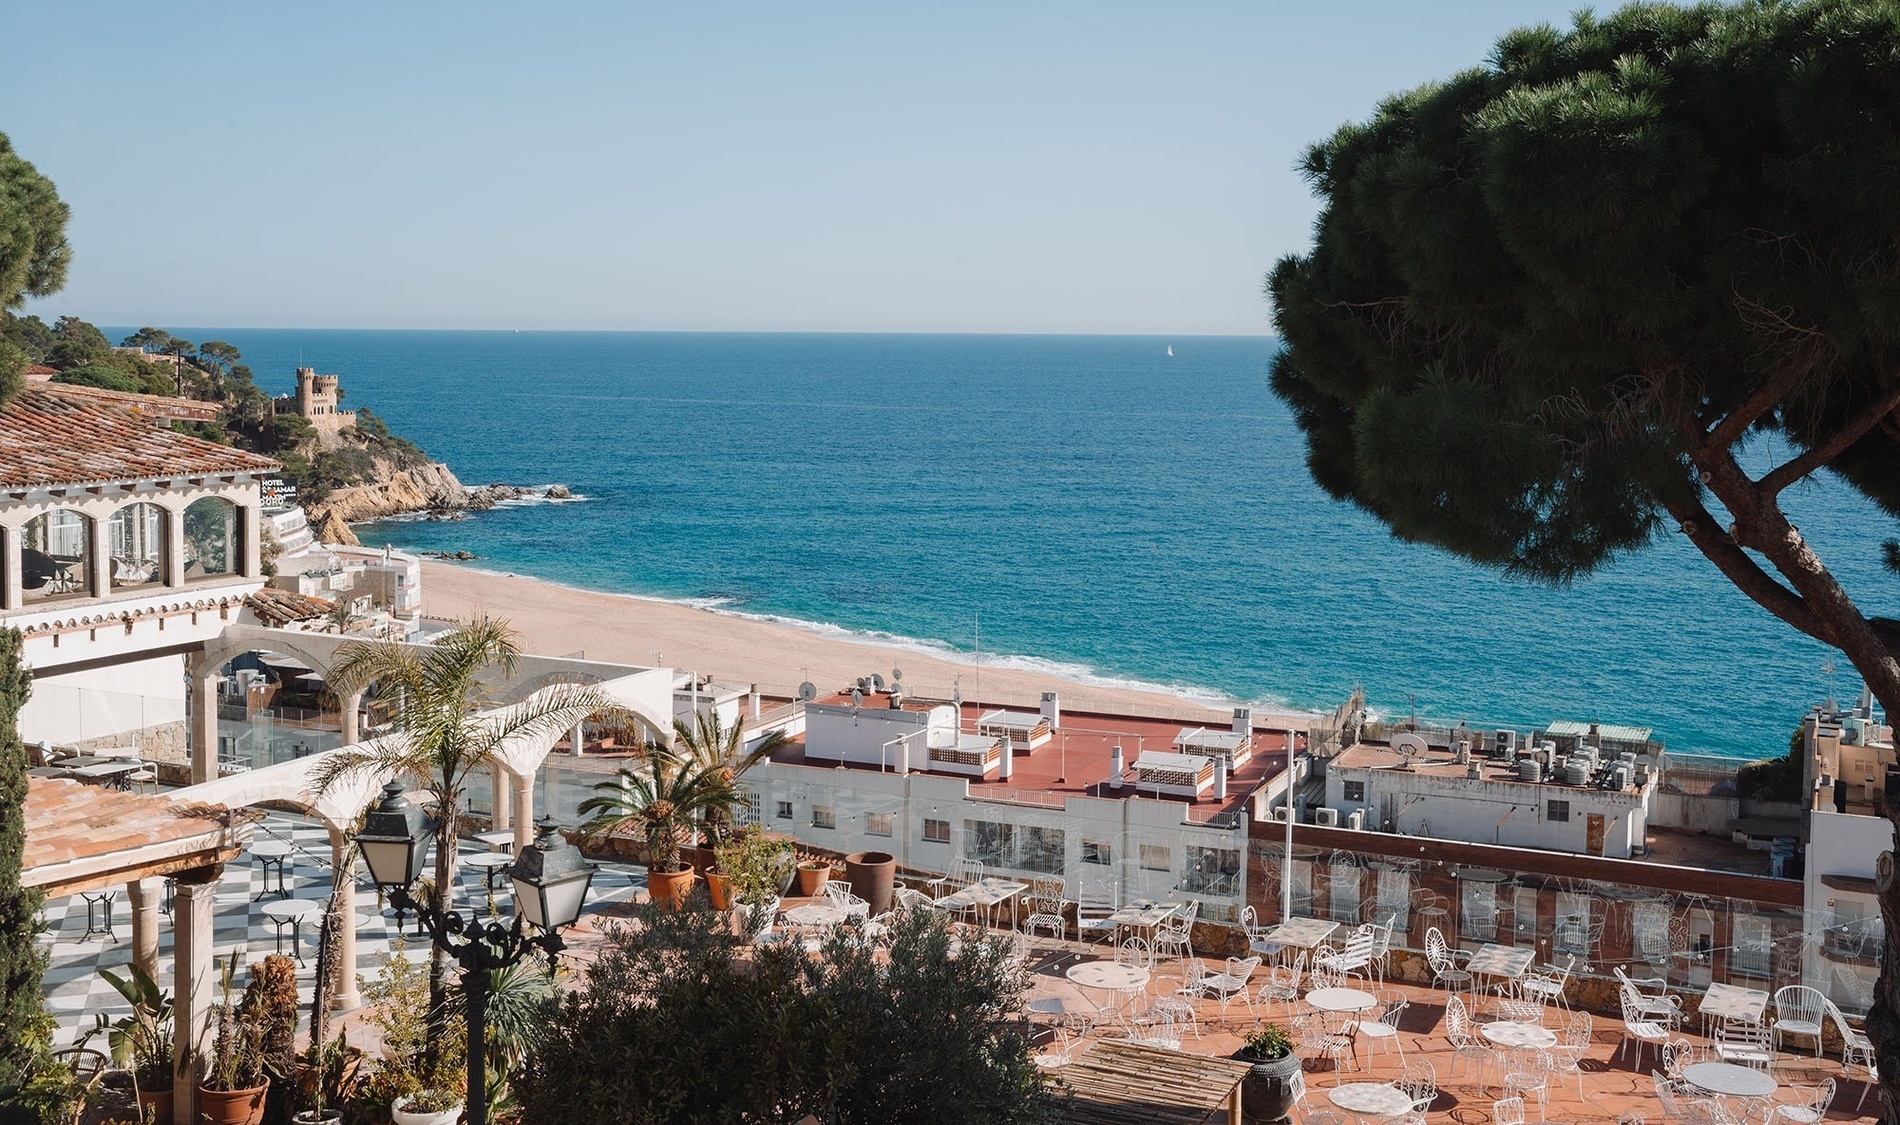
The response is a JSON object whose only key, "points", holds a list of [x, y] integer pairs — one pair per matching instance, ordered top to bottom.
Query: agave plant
{"points": [[722, 751], [664, 797]]}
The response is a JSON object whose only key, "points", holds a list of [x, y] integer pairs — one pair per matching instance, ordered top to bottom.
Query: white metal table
{"points": [[499, 838], [492, 865], [987, 893], [1143, 915], [1300, 933], [1507, 962], [1112, 977], [1341, 999], [1733, 1002], [1518, 1036], [1730, 1080], [1371, 1099]]}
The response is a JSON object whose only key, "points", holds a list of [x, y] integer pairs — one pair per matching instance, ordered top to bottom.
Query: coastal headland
{"points": [[562, 620]]}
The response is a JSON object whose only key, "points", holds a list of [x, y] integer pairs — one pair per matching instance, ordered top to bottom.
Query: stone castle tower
{"points": [[315, 401]]}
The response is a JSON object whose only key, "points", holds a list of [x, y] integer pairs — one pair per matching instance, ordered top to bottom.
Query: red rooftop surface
{"points": [[49, 439], [1075, 760], [67, 822]]}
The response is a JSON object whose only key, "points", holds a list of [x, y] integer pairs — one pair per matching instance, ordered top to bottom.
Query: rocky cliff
{"points": [[396, 490]]}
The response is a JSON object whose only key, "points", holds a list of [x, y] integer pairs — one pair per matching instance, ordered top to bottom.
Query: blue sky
{"points": [[1081, 167]]}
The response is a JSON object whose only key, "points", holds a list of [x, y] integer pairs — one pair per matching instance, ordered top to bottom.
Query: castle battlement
{"points": [[316, 401]]}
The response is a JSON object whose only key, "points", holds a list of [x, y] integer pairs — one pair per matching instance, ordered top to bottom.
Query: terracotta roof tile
{"points": [[156, 409], [49, 439], [277, 608], [67, 821]]}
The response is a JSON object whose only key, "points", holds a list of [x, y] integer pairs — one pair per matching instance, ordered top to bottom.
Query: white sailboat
{"points": [[1170, 351]]}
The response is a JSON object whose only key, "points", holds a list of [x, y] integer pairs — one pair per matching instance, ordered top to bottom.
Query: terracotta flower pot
{"points": [[871, 875], [811, 879], [669, 888], [719, 888], [160, 1101], [231, 1107]]}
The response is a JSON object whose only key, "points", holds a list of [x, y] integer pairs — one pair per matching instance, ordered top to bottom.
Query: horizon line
{"points": [[715, 331]]}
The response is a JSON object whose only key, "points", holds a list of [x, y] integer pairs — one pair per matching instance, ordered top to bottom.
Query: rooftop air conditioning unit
{"points": [[1504, 743], [1277, 813], [1326, 816], [1357, 821]]}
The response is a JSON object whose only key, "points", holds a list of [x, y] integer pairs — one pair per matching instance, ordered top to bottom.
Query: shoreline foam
{"points": [[776, 652]]}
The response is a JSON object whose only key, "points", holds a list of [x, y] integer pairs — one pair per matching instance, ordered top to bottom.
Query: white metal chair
{"points": [[842, 897], [907, 898], [1093, 907], [1047, 911], [1174, 936], [1446, 963], [1232, 982], [1283, 982], [1547, 987], [1181, 1002], [1656, 1005], [1798, 1013], [1381, 1025], [1157, 1027], [1641, 1030], [1463, 1036], [1317, 1041], [1744, 1044], [1856, 1048], [1062, 1051], [1567, 1056], [1528, 1073], [1420, 1083], [1810, 1107], [1507, 1111]]}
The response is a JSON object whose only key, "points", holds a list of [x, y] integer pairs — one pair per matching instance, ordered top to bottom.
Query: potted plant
{"points": [[662, 798], [755, 867], [812, 876], [141, 1039], [419, 1075], [324, 1077], [232, 1088], [1268, 1092]]}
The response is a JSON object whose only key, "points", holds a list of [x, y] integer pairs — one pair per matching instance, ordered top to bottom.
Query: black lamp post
{"points": [[551, 881]]}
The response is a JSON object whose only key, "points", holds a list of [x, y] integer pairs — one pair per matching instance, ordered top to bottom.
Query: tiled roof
{"points": [[40, 373], [155, 408], [50, 439], [277, 608], [82, 834]]}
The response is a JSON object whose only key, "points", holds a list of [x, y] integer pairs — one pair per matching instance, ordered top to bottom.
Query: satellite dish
{"points": [[897, 674], [877, 682], [864, 684], [807, 692], [857, 698]]}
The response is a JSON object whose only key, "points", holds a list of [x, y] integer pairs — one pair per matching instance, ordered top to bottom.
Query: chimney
{"points": [[754, 703], [1052, 709], [1243, 720], [1008, 768], [1115, 768], [1220, 779]]}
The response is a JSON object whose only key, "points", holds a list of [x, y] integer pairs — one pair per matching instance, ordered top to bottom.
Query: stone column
{"points": [[250, 538], [99, 554], [173, 569], [12, 593], [203, 710], [353, 719], [577, 740], [500, 797], [524, 810], [144, 895], [194, 983], [343, 991]]}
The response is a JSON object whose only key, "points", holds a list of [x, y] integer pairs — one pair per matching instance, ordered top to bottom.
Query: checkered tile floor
{"points": [[75, 992]]}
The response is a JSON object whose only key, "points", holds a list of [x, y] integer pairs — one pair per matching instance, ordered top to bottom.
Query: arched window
{"points": [[135, 536], [211, 538], [56, 556]]}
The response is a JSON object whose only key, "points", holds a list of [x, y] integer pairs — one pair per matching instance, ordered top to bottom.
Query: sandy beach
{"points": [[561, 621]]}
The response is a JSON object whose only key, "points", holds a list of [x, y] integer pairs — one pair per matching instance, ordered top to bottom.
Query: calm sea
{"points": [[1105, 511]]}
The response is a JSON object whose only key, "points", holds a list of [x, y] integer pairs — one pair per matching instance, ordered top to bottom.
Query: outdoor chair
{"points": [[145, 778], [842, 898], [907, 898], [1047, 911], [1092, 911], [1256, 933], [1175, 935], [1382, 946], [1135, 952], [1447, 964], [1320, 970], [1232, 982], [1283, 982], [1548, 986], [1181, 1001], [1657, 1004], [1798, 1012], [1381, 1024], [1157, 1028], [1640, 1030], [1463, 1036], [1317, 1041], [1744, 1044], [1856, 1048], [1060, 1052], [1676, 1054], [1567, 1056], [1527, 1073], [1420, 1083], [1810, 1107], [1507, 1111]]}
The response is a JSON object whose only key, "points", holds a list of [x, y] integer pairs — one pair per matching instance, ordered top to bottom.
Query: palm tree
{"points": [[444, 728], [721, 749], [663, 796]]}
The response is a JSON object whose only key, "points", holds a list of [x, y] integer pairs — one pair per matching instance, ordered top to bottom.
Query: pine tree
{"points": [[21, 960]]}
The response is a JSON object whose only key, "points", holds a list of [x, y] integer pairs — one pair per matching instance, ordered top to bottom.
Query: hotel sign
{"points": [[279, 492]]}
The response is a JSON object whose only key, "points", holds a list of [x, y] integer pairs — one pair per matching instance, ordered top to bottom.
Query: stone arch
{"points": [[214, 537], [56, 555], [216, 658], [656, 728]]}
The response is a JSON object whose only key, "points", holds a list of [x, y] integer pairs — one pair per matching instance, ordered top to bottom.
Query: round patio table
{"points": [[815, 914], [1111, 976], [1341, 999], [1519, 1036], [1731, 1080], [1371, 1099]]}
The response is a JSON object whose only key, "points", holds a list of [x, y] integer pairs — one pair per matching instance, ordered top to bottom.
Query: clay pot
{"points": [[871, 875], [811, 879], [719, 888], [669, 889], [161, 1103], [231, 1107], [401, 1114]]}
